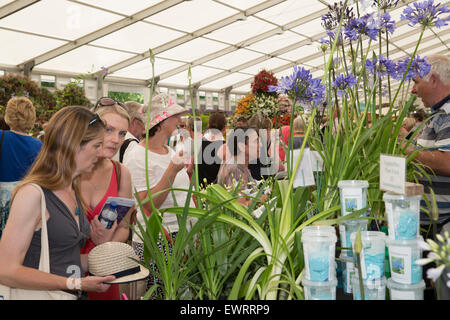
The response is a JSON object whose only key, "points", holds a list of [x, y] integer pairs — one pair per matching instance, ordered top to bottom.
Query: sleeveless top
{"points": [[65, 239]]}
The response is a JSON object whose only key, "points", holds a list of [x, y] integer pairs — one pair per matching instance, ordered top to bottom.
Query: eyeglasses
{"points": [[107, 102], [94, 120]]}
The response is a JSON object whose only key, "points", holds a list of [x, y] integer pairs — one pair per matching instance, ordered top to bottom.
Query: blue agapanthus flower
{"points": [[385, 4], [426, 13], [386, 24], [366, 25], [332, 35], [324, 41], [381, 66], [419, 67], [343, 82], [301, 86]]}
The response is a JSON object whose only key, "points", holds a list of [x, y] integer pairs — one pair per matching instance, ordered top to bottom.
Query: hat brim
{"points": [[174, 112], [142, 274]]}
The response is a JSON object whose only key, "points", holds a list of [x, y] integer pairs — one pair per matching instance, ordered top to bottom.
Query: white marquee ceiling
{"points": [[226, 42]]}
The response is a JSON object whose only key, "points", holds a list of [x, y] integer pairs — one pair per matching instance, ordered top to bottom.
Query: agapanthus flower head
{"points": [[385, 4], [426, 13], [331, 19], [386, 24], [366, 25], [332, 35], [324, 43], [381, 66], [419, 67], [343, 82], [301, 86]]}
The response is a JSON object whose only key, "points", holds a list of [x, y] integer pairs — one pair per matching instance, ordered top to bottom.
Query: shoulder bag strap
{"points": [[124, 147], [44, 262]]}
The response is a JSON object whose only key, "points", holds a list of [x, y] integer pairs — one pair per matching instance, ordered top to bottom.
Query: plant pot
{"points": [[403, 214], [319, 243]]}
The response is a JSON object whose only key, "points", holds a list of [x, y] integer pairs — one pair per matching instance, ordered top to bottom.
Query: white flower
{"points": [[258, 212], [440, 238], [423, 245], [433, 256], [422, 262], [435, 273], [448, 282]]}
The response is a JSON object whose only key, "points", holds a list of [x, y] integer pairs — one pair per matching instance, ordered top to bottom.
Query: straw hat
{"points": [[162, 108], [115, 258]]}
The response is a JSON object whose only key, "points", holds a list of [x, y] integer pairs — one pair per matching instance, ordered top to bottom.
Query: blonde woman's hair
{"points": [[440, 65], [114, 109], [20, 114], [68, 129]]}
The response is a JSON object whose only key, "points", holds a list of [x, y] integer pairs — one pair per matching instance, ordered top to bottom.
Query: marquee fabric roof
{"points": [[225, 42]]}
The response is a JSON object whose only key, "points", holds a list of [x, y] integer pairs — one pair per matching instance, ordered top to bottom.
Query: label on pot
{"points": [[351, 199], [400, 259], [402, 295]]}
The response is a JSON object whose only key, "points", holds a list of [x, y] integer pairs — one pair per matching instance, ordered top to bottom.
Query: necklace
{"points": [[73, 198]]}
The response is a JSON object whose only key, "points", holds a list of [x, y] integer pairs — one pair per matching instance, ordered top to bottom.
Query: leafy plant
{"points": [[71, 95]]}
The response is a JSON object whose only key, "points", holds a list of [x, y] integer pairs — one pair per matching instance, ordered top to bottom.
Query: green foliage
{"points": [[15, 85], [71, 95], [126, 96]]}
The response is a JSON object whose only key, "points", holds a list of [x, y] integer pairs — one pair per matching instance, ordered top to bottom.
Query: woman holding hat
{"points": [[72, 145], [165, 168], [107, 179]]}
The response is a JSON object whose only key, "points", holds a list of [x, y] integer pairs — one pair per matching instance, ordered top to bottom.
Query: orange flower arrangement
{"points": [[242, 107]]}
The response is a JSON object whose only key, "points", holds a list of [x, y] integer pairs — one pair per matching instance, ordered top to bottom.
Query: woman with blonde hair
{"points": [[72, 146], [17, 150], [108, 179]]}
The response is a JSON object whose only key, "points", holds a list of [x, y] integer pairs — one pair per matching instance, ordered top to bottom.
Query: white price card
{"points": [[316, 161], [392, 174], [304, 176]]}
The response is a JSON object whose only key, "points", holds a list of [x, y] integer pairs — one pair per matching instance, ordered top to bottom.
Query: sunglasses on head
{"points": [[107, 102]]}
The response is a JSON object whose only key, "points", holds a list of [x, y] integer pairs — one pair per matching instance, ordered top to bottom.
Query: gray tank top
{"points": [[65, 240]]}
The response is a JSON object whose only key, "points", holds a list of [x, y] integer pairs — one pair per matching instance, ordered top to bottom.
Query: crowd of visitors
{"points": [[87, 156]]}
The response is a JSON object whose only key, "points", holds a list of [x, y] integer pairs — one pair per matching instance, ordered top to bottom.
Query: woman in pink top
{"points": [[284, 141], [101, 183]]}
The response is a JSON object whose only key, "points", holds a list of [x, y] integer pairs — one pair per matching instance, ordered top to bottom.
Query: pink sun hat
{"points": [[162, 107]]}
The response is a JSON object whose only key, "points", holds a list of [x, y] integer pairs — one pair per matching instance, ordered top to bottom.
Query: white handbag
{"points": [[7, 293]]}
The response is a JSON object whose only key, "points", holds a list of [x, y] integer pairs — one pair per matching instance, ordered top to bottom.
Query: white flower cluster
{"points": [[439, 254]]}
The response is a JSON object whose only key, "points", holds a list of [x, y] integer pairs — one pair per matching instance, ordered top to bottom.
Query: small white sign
{"points": [[316, 161], [392, 174], [304, 176]]}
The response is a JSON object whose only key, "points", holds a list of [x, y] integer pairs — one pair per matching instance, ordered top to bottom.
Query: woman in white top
{"points": [[165, 168]]}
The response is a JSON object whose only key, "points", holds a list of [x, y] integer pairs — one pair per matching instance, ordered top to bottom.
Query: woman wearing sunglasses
{"points": [[72, 145], [107, 179]]}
